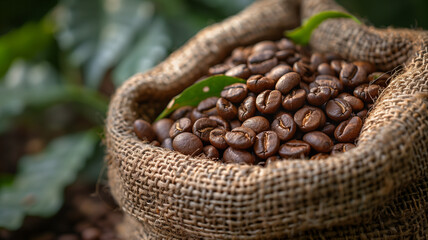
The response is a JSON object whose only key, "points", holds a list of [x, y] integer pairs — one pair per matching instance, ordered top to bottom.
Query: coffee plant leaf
{"points": [[301, 35], [191, 96], [38, 187]]}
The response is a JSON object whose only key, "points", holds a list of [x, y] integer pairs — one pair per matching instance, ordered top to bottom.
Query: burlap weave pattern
{"points": [[377, 190]]}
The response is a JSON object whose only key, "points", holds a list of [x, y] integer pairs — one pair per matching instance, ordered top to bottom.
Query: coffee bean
{"points": [[285, 43], [265, 45], [240, 55], [283, 55], [316, 60], [262, 62], [336, 65], [368, 67], [219, 69], [325, 69], [304, 70], [240, 71], [277, 72], [352, 75], [379, 78], [330, 81], [287, 82], [258, 83], [304, 86], [235, 93], [367, 93], [319, 95], [294, 100], [268, 101], [355, 102], [208, 106], [247, 108], [226, 109], [338, 109], [181, 113], [362, 114], [195, 115], [309, 118], [221, 122], [234, 124], [257, 124], [180, 126], [284, 126], [162, 127], [202, 128], [328, 129], [144, 130], [348, 131], [217, 138], [240, 138], [319, 141], [155, 143], [167, 143], [187, 143], [266, 144], [342, 147], [294, 149], [211, 152], [232, 155], [319, 156]]}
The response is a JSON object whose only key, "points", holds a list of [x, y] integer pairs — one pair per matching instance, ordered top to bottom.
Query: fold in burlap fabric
{"points": [[377, 190]]}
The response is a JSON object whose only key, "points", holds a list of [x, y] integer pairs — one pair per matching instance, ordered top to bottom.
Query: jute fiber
{"points": [[378, 190]]}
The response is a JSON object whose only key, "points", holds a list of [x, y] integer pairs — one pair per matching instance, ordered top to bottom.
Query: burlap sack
{"points": [[377, 190]]}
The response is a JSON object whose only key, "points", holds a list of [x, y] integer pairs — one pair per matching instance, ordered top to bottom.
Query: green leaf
{"points": [[99, 33], [302, 34], [151, 48], [191, 96], [38, 188]]}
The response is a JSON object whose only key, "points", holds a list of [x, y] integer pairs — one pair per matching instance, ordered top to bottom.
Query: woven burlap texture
{"points": [[377, 190]]}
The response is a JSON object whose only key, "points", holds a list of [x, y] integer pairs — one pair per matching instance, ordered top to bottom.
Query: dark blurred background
{"points": [[60, 61]]}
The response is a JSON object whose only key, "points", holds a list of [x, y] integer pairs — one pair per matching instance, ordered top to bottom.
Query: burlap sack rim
{"points": [[130, 93]]}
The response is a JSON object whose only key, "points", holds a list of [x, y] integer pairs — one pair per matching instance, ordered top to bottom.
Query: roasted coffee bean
{"points": [[285, 43], [265, 45], [240, 55], [283, 55], [293, 59], [316, 60], [262, 62], [336, 65], [368, 67], [219, 69], [325, 69], [304, 70], [240, 71], [277, 72], [352, 75], [379, 78], [330, 81], [287, 82], [258, 83], [304, 86], [367, 92], [235, 93], [319, 95], [294, 100], [268, 101], [356, 103], [208, 106], [247, 108], [226, 109], [338, 109], [183, 112], [362, 114], [195, 115], [309, 118], [221, 122], [235, 124], [257, 124], [180, 126], [284, 126], [162, 127], [202, 128], [328, 129], [144, 130], [348, 131], [217, 138], [240, 138], [319, 141], [155, 143], [167, 143], [187, 143], [266, 144], [342, 147], [294, 149], [211, 152], [232, 155], [319, 156]]}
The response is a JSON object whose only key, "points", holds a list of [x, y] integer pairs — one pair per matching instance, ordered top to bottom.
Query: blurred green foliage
{"points": [[60, 60]]}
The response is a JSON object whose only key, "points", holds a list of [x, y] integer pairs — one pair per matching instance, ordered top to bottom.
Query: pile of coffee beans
{"points": [[294, 105]]}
